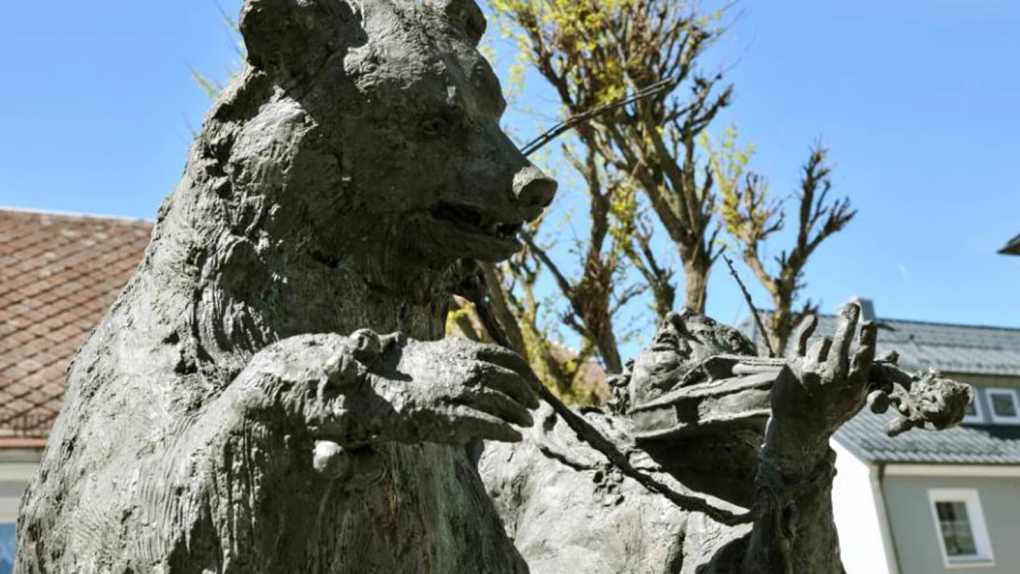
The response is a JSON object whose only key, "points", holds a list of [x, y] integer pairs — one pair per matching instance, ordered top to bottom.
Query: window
{"points": [[1003, 406], [974, 412], [14, 476], [960, 527], [7, 547]]}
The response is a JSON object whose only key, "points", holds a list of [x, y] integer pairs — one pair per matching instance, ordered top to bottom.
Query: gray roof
{"points": [[1012, 248], [951, 348], [958, 349], [962, 349], [966, 349], [864, 435]]}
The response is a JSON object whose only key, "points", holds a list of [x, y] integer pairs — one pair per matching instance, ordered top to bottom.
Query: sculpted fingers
{"points": [[804, 330], [392, 340], [819, 352], [505, 358], [839, 359], [511, 361], [860, 366], [511, 384], [496, 404], [477, 424]]}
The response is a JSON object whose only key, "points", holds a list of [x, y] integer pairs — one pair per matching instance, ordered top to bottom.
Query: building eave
{"points": [[1012, 248], [7, 443], [951, 470]]}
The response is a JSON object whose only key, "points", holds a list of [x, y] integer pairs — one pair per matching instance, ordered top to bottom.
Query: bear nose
{"points": [[534, 191]]}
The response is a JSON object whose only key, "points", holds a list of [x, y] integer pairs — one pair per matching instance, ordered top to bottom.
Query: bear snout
{"points": [[534, 191]]}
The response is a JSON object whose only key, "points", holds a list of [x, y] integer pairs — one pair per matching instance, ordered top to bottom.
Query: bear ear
{"points": [[464, 15], [291, 35]]}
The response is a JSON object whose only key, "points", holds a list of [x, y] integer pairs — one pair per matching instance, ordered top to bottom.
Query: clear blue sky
{"points": [[918, 100]]}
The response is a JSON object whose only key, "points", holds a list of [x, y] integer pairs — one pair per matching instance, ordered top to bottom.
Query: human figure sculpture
{"points": [[237, 410], [725, 464]]}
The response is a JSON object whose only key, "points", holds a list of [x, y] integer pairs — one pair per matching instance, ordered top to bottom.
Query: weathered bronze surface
{"points": [[272, 391]]}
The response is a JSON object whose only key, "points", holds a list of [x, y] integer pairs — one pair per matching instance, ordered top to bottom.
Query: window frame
{"points": [[991, 405], [979, 411], [971, 500]]}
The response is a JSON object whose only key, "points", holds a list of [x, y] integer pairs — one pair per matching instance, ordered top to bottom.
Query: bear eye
{"points": [[487, 83], [448, 121], [433, 126]]}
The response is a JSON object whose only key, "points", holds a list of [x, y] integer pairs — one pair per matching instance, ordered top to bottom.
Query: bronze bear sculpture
{"points": [[235, 411]]}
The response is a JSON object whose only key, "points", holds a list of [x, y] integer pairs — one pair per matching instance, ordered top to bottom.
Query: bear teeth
{"points": [[473, 218], [509, 229]]}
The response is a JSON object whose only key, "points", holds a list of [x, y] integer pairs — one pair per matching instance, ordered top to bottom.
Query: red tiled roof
{"points": [[58, 275]]}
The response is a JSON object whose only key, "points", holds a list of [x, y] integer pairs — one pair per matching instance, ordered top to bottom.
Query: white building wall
{"points": [[17, 468], [908, 495], [859, 512]]}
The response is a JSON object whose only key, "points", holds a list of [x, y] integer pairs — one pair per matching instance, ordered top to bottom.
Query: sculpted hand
{"points": [[821, 387], [364, 388], [453, 390], [346, 393]]}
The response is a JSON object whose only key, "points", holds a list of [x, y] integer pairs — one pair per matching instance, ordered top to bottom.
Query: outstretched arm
{"points": [[820, 389], [815, 393], [337, 394], [308, 416]]}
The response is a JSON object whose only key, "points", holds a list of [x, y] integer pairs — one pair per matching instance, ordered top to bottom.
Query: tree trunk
{"points": [[696, 285], [501, 309], [610, 353]]}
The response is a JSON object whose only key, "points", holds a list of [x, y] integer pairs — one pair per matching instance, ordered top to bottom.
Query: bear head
{"points": [[383, 128]]}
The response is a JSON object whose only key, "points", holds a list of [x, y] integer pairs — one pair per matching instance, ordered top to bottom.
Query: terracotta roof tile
{"points": [[58, 275]]}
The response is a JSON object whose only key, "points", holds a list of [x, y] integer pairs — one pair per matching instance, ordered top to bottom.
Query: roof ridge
{"points": [[74, 215], [922, 322], [944, 324]]}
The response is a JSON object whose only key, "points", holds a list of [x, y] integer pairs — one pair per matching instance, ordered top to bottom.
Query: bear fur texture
{"points": [[236, 411]]}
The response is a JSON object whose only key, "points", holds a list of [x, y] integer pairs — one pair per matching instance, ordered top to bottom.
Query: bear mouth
{"points": [[472, 221]]}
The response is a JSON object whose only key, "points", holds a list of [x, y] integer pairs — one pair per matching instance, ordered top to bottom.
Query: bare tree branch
{"points": [[570, 123], [750, 304]]}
